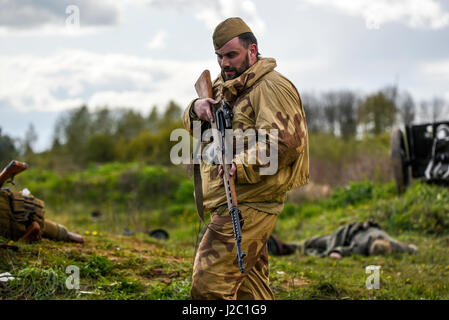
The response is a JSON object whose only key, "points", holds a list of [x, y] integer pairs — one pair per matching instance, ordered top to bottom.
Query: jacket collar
{"points": [[231, 89]]}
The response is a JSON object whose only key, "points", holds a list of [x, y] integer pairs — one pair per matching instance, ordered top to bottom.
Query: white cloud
{"points": [[217, 11], [212, 12], [412, 13], [29, 17], [56, 17], [51, 30], [158, 41], [298, 66], [436, 69], [436, 75], [69, 78]]}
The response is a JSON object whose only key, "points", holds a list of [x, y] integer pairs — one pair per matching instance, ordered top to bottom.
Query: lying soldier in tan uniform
{"points": [[23, 218]]}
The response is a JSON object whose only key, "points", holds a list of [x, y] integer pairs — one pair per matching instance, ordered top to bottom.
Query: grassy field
{"points": [[114, 266]]}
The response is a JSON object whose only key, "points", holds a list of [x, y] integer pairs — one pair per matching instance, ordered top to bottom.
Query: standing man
{"points": [[261, 98]]}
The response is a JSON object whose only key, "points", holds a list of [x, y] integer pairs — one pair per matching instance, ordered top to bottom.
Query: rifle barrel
{"points": [[229, 184]]}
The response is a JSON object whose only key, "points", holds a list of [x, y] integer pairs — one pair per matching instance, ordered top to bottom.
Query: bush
{"points": [[100, 148], [336, 162], [118, 184], [184, 192], [354, 192], [358, 192], [423, 208], [289, 210]]}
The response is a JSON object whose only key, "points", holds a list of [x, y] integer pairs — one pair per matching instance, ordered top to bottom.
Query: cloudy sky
{"points": [[58, 54]]}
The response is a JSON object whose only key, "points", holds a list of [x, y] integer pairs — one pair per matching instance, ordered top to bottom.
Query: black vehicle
{"points": [[422, 152]]}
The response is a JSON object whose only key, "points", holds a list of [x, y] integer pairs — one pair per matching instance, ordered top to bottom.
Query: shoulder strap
{"points": [[199, 199]]}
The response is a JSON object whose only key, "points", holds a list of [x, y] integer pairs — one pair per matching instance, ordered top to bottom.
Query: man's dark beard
{"points": [[238, 71]]}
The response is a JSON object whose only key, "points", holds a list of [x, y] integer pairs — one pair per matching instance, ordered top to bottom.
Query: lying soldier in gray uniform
{"points": [[363, 238]]}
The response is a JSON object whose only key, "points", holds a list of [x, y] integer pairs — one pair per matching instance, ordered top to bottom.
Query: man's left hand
{"points": [[232, 172]]}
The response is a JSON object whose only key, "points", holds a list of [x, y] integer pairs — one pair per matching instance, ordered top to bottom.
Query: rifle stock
{"points": [[203, 85], [12, 169]]}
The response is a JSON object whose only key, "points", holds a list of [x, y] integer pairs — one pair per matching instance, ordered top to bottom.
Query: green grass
{"points": [[113, 266], [401, 276]]}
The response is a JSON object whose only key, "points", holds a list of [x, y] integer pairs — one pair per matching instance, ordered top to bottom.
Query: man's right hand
{"points": [[203, 110], [335, 255]]}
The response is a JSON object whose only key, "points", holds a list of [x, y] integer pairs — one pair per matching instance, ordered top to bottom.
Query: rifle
{"points": [[223, 120], [12, 169]]}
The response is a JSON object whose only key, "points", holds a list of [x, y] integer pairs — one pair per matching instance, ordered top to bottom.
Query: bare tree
{"points": [[391, 92], [330, 105], [406, 108], [437, 108], [313, 110], [433, 110], [346, 113], [30, 139]]}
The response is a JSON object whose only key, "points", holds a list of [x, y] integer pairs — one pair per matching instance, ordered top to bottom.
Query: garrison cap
{"points": [[227, 30]]}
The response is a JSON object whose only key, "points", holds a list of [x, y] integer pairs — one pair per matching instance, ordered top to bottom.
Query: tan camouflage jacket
{"points": [[261, 98]]}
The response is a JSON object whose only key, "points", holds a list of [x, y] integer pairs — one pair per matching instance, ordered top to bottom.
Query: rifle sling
{"points": [[199, 198]]}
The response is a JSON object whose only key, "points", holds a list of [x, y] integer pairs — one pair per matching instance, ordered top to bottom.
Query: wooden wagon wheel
{"points": [[399, 160]]}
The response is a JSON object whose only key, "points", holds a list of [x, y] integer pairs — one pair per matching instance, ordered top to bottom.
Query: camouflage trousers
{"points": [[55, 231], [216, 273]]}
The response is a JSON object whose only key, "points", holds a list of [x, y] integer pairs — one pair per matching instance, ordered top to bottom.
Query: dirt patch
{"points": [[135, 244], [118, 246], [158, 273], [295, 283]]}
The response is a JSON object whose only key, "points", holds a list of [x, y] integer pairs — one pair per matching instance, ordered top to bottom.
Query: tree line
{"points": [[347, 114], [82, 136]]}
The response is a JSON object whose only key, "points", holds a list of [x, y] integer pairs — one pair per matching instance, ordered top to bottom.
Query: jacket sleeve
{"points": [[278, 109], [189, 117], [344, 251]]}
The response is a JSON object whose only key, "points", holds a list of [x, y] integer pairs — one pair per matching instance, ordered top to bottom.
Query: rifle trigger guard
{"points": [[11, 181]]}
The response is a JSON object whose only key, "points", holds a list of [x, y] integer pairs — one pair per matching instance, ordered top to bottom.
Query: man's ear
{"points": [[253, 51]]}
